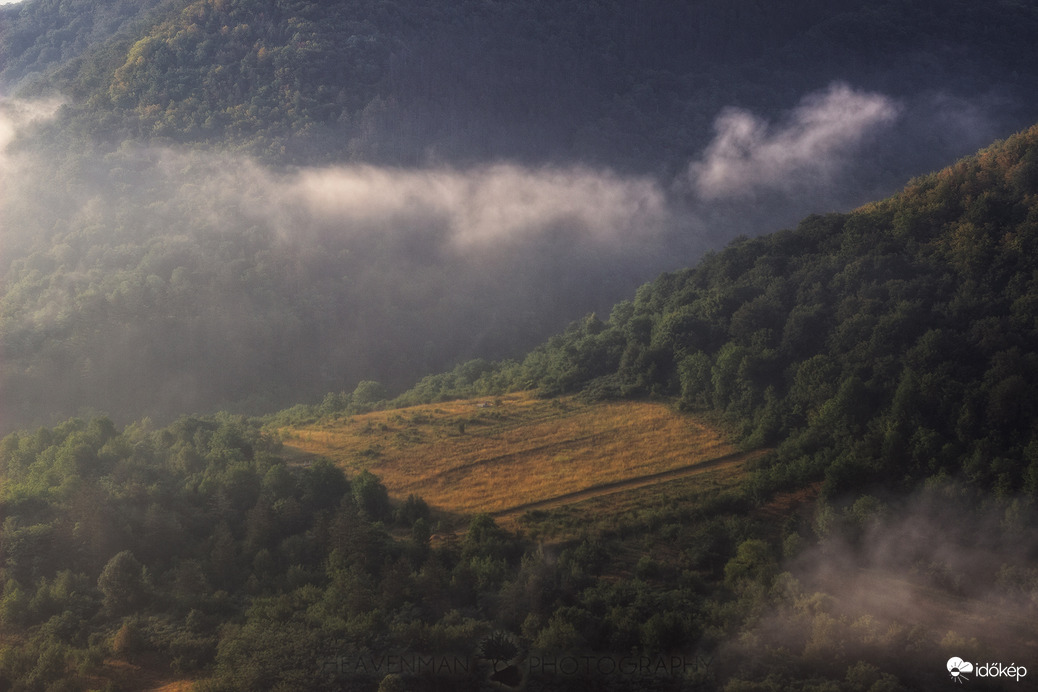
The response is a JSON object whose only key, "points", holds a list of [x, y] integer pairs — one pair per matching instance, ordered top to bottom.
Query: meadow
{"points": [[514, 454]]}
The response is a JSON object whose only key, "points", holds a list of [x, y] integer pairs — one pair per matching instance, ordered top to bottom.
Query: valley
{"points": [[337, 337]]}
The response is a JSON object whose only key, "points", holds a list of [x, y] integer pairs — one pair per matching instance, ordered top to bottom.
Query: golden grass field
{"points": [[500, 455]]}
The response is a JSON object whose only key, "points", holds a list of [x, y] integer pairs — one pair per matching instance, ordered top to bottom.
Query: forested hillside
{"points": [[38, 36], [632, 85], [245, 204], [884, 346], [886, 355]]}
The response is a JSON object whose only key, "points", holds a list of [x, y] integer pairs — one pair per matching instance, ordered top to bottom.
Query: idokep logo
{"points": [[958, 669]]}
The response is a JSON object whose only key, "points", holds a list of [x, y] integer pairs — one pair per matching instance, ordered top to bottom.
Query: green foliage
{"points": [[876, 347], [368, 393], [323, 485], [371, 496], [412, 510], [486, 539], [753, 563], [71, 573], [304, 582], [122, 583], [14, 608], [129, 641]]}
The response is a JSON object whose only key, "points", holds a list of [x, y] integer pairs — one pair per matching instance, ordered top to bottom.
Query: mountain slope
{"points": [[38, 36], [631, 85], [246, 204], [896, 342], [877, 348]]}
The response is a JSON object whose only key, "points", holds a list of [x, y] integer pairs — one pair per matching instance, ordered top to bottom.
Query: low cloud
{"points": [[16, 116], [815, 142], [19, 172], [487, 205], [292, 283], [263, 287], [897, 588]]}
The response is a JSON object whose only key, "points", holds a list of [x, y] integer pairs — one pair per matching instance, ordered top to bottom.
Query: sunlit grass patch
{"points": [[494, 454]]}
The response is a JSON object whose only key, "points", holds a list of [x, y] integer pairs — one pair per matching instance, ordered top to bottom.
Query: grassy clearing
{"points": [[493, 455], [632, 510]]}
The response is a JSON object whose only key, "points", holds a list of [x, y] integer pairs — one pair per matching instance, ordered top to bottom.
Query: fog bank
{"points": [[158, 281]]}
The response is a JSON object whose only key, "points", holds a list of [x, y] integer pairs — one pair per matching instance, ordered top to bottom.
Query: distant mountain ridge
{"points": [[627, 84]]}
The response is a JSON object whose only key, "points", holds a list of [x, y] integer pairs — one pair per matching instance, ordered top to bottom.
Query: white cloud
{"points": [[16, 114], [15, 117], [749, 154], [484, 205]]}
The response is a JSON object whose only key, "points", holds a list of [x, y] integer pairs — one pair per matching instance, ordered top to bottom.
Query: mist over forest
{"points": [[248, 205], [210, 279], [491, 331]]}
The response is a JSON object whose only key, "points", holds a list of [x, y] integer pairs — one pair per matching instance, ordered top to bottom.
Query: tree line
{"points": [[884, 346]]}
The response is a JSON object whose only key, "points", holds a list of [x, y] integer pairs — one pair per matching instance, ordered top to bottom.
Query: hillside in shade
{"points": [[632, 85], [247, 204]]}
